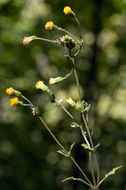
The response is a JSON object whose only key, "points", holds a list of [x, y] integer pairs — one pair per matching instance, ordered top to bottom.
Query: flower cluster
{"points": [[13, 101], [80, 106]]}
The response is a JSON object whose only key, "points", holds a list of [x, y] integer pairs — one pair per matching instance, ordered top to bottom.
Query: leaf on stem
{"points": [[85, 146], [71, 148], [62, 153], [67, 154], [112, 172], [75, 179]]}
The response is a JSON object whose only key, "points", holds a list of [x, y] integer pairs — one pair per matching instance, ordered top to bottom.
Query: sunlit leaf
{"points": [[85, 146]]}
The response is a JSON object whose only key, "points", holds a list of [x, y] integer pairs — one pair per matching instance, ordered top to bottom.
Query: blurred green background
{"points": [[28, 158]]}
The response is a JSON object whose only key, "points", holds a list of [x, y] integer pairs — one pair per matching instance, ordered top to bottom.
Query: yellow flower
{"points": [[67, 10], [49, 25], [27, 40], [39, 84], [42, 86], [9, 91], [68, 100], [14, 101], [71, 102]]}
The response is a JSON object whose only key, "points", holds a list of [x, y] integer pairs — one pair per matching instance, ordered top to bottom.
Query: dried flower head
{"points": [[67, 10], [49, 25], [9, 91], [14, 101]]}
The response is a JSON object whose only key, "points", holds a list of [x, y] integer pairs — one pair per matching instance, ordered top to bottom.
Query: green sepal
{"points": [[17, 93], [93, 149]]}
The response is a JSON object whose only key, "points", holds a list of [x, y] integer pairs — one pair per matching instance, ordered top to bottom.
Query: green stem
{"points": [[76, 19], [63, 30], [47, 40], [77, 82], [67, 112], [88, 131], [89, 134], [60, 145], [90, 156], [95, 158]]}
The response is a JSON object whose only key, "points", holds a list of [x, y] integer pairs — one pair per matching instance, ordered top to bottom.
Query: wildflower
{"points": [[67, 10], [49, 25], [27, 40], [55, 80], [42, 86], [9, 91], [14, 101], [71, 102]]}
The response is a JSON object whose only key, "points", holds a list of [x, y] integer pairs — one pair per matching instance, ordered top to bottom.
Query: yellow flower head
{"points": [[67, 10], [49, 25], [27, 40], [39, 84], [42, 86], [9, 91], [68, 100], [14, 101], [71, 102]]}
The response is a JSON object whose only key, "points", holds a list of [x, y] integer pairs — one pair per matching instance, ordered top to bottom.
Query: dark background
{"points": [[28, 158]]}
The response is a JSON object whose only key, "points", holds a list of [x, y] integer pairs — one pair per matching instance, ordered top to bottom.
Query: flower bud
{"points": [[27, 40], [55, 80], [42, 86], [71, 102]]}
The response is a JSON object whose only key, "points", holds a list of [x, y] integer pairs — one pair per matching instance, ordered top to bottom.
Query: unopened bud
{"points": [[27, 40]]}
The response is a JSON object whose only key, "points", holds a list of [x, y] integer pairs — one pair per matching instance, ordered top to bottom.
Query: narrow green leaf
{"points": [[85, 146], [96, 146], [70, 150], [62, 153], [112, 172], [75, 179]]}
